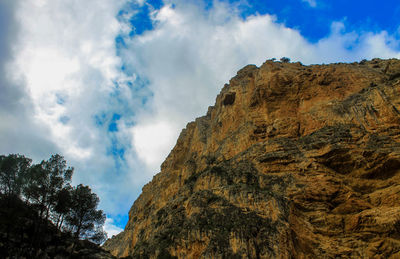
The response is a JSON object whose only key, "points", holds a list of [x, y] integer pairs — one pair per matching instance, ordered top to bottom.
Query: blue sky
{"points": [[313, 18], [314, 22], [110, 84]]}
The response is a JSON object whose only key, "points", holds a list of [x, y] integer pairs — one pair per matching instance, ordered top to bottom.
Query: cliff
{"points": [[292, 161]]}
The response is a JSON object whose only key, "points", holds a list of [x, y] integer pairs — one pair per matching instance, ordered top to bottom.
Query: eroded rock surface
{"points": [[292, 161]]}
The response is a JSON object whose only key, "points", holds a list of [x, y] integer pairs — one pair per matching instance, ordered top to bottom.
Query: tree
{"points": [[285, 60], [13, 170], [46, 180], [34, 199], [63, 205], [84, 220]]}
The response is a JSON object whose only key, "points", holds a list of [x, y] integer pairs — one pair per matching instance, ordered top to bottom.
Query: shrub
{"points": [[285, 60]]}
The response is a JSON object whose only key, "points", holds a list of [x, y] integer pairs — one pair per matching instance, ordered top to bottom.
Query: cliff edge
{"points": [[292, 161]]}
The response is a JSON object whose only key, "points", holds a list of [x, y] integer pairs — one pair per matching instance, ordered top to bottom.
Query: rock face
{"points": [[292, 161]]}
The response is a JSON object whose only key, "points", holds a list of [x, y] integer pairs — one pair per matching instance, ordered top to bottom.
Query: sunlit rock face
{"points": [[292, 161]]}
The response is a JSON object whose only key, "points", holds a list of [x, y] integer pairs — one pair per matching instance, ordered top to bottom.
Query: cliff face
{"points": [[292, 161]]}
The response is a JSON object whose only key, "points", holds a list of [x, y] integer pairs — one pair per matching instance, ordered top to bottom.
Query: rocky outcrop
{"points": [[292, 161]]}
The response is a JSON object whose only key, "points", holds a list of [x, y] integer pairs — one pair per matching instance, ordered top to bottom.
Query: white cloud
{"points": [[312, 3], [352, 46], [67, 56], [15, 104], [152, 140], [110, 228]]}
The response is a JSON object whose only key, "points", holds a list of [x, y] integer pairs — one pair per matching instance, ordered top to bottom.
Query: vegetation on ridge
{"points": [[38, 203]]}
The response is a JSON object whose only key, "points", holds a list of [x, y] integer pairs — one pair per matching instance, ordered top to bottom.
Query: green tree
{"points": [[13, 170], [12, 178], [46, 180], [48, 196], [63, 205], [84, 220]]}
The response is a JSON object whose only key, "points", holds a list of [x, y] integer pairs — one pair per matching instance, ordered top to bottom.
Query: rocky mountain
{"points": [[292, 161]]}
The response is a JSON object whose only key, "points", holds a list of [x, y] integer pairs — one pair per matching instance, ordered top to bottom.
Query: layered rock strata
{"points": [[292, 161]]}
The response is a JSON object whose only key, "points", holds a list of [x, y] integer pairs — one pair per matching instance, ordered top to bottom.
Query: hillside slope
{"points": [[292, 161], [24, 234]]}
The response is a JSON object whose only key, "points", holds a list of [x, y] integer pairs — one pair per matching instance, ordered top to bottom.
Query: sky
{"points": [[109, 84]]}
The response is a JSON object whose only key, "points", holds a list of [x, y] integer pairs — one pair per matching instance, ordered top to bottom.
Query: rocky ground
{"points": [[292, 161]]}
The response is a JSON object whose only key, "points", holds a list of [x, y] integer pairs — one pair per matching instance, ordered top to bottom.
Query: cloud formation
{"points": [[312, 3], [15, 102], [110, 228]]}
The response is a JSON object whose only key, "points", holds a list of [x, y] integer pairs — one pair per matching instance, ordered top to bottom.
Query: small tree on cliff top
{"points": [[285, 60]]}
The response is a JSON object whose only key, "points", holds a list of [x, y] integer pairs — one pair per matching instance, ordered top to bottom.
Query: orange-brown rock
{"points": [[292, 161]]}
